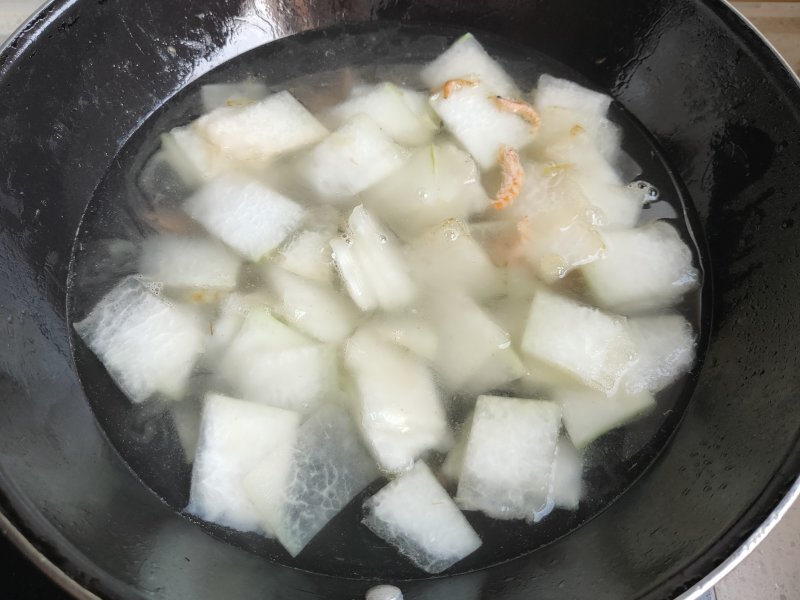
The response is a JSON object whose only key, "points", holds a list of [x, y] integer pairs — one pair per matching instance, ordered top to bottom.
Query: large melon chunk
{"points": [[552, 91], [216, 95], [192, 157], [188, 262], [146, 344], [666, 347]]}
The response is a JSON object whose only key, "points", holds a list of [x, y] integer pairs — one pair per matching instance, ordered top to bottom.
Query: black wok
{"points": [[81, 78]]}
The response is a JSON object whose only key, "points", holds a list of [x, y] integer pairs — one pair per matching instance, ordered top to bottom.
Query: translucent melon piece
{"points": [[466, 59], [552, 91], [216, 95], [402, 113], [473, 118], [566, 126], [261, 131], [355, 156], [192, 157], [585, 157], [437, 183], [620, 206], [249, 217], [499, 239], [308, 253], [448, 257], [369, 260], [188, 262], [642, 269], [314, 308], [232, 313], [408, 331], [146, 344], [592, 345], [666, 348], [474, 353], [269, 362], [541, 379], [398, 408], [589, 414], [186, 420], [235, 436], [454, 462], [508, 464], [327, 468], [567, 476], [414, 514]]}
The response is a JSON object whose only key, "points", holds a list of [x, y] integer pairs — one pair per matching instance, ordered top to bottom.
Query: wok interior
{"points": [[721, 112]]}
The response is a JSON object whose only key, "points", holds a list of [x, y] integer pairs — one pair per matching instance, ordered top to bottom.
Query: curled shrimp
{"points": [[453, 85], [521, 108], [513, 178]]}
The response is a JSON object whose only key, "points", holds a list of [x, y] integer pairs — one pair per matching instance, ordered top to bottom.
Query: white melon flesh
{"points": [[466, 59], [553, 91], [216, 95], [402, 113], [472, 116], [263, 130], [585, 156], [192, 157], [351, 159], [437, 183], [619, 206], [246, 215], [499, 239], [308, 253], [448, 257], [188, 262], [371, 265], [642, 269], [314, 308], [232, 313], [407, 331], [146, 344], [591, 345], [666, 348], [474, 353], [270, 363], [398, 407], [589, 414], [186, 421], [235, 436], [454, 461], [508, 464], [326, 469], [567, 476], [415, 514]]}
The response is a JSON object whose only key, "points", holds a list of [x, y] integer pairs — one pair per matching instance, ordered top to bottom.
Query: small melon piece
{"points": [[466, 59], [553, 91], [216, 95], [402, 113], [474, 119], [564, 126], [263, 130], [192, 157], [354, 157], [586, 157], [438, 182], [620, 206], [249, 217], [499, 239], [308, 252], [448, 257], [188, 262], [371, 264], [642, 269], [314, 308], [232, 313], [408, 331], [146, 344], [592, 345], [666, 348], [474, 353], [269, 362], [398, 408], [588, 414], [186, 421], [235, 436], [454, 462], [508, 463], [327, 467], [567, 476], [415, 514]]}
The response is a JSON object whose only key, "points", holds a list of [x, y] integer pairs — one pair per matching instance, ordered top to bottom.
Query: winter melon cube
{"points": [[466, 59], [553, 91], [216, 95], [402, 113], [471, 115], [567, 127], [261, 131], [584, 155], [355, 156], [192, 157], [437, 183], [620, 206], [249, 217], [500, 240], [308, 252], [188, 262], [642, 269], [314, 308], [232, 313], [408, 331], [146, 344], [591, 345], [666, 347], [398, 408], [588, 414], [186, 422], [235, 436], [454, 461], [508, 463], [326, 468], [567, 476], [416, 515]]}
